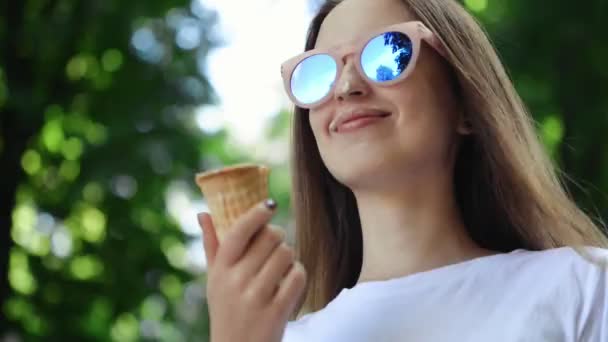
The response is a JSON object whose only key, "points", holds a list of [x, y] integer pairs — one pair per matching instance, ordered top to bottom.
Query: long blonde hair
{"points": [[506, 186]]}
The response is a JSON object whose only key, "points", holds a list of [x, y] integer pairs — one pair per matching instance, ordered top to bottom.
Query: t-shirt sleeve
{"points": [[593, 318]]}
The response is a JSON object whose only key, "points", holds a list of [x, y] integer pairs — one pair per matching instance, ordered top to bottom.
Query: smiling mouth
{"points": [[359, 122]]}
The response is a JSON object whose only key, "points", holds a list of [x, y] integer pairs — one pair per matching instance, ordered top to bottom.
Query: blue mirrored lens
{"points": [[386, 56], [313, 77]]}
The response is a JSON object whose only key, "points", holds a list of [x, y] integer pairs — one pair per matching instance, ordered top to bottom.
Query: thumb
{"points": [[209, 237]]}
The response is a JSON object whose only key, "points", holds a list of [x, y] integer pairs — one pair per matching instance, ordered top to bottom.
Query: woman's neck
{"points": [[411, 230]]}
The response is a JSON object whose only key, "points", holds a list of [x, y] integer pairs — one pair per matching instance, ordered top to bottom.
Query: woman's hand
{"points": [[253, 279]]}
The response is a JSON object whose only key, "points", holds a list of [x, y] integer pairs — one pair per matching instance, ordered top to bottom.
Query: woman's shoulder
{"points": [[595, 255], [582, 256], [567, 259], [570, 267], [570, 284]]}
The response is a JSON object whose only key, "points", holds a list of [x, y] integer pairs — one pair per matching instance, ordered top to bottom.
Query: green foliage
{"points": [[556, 54], [97, 102], [97, 127]]}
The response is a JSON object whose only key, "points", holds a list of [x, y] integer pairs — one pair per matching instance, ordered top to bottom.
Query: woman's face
{"points": [[421, 131]]}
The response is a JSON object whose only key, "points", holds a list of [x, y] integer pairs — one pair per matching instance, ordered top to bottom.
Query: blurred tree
{"points": [[399, 43], [558, 63], [384, 73], [96, 128], [96, 132]]}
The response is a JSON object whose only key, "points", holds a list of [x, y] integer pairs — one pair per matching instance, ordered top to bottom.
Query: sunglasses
{"points": [[384, 57]]}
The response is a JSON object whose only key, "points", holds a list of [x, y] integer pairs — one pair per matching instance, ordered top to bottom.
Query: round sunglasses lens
{"points": [[386, 56], [312, 78]]}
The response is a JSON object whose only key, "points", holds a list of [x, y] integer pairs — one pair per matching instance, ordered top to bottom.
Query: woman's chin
{"points": [[378, 173], [358, 174]]}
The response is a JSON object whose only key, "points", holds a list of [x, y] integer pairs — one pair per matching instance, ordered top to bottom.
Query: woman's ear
{"points": [[464, 125]]}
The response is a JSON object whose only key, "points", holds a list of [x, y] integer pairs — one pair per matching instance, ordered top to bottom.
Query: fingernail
{"points": [[270, 204]]}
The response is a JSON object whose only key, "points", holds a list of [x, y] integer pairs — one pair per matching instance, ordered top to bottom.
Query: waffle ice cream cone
{"points": [[231, 191]]}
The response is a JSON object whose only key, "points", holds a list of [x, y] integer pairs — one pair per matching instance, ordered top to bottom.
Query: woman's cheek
{"points": [[319, 127]]}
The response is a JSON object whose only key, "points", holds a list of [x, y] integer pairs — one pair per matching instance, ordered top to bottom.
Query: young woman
{"points": [[426, 208]]}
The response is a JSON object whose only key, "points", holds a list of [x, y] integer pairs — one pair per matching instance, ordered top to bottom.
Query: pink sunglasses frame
{"points": [[415, 30]]}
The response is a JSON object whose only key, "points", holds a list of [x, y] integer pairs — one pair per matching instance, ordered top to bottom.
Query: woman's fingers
{"points": [[237, 239], [210, 241], [263, 244], [273, 270], [291, 288]]}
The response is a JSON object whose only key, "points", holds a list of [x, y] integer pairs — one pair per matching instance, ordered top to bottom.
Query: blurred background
{"points": [[108, 109]]}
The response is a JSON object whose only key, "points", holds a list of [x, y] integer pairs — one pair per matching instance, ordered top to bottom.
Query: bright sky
{"points": [[245, 73]]}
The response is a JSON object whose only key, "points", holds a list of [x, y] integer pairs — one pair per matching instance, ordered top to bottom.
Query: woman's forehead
{"points": [[352, 19]]}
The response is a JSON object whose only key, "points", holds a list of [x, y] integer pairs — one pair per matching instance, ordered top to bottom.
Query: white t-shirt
{"points": [[552, 295]]}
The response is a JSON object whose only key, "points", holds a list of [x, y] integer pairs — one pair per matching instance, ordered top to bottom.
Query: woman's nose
{"points": [[350, 83]]}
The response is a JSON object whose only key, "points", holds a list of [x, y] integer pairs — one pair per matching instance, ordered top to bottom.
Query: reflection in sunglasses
{"points": [[386, 56]]}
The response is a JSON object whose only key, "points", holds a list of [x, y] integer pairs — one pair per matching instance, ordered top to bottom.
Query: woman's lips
{"points": [[359, 122]]}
